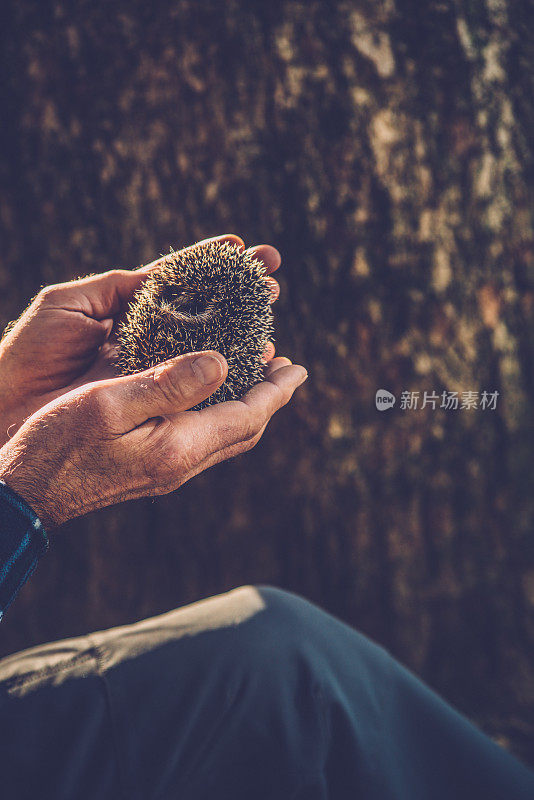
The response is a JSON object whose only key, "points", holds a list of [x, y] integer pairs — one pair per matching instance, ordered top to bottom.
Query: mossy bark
{"points": [[386, 148]]}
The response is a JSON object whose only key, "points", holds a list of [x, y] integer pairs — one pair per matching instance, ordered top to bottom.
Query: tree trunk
{"points": [[386, 148]]}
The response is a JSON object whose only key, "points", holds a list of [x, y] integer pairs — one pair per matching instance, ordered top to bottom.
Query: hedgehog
{"points": [[212, 296]]}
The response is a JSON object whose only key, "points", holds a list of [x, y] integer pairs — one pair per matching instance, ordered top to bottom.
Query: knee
{"points": [[287, 616], [282, 619], [276, 630], [289, 633], [297, 676]]}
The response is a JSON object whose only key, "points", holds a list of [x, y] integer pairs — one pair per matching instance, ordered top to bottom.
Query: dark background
{"points": [[386, 148]]}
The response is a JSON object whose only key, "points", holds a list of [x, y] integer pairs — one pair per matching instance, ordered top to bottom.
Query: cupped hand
{"points": [[66, 337], [133, 436]]}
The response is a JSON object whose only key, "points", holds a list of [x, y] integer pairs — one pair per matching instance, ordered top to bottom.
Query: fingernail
{"points": [[208, 369]]}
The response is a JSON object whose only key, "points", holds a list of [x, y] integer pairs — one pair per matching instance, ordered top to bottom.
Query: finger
{"points": [[226, 237], [232, 238], [268, 255], [274, 288], [108, 294], [98, 296], [269, 352], [276, 363], [162, 391], [220, 426], [226, 453]]}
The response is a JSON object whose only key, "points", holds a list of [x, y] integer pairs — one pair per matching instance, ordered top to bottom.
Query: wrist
{"points": [[14, 400], [12, 409], [8, 422], [28, 483], [23, 542]]}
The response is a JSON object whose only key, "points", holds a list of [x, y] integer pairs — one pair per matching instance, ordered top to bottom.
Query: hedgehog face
{"points": [[209, 297], [188, 305]]}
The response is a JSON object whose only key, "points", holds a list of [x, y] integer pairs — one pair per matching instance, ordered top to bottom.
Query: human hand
{"points": [[66, 337], [133, 436]]}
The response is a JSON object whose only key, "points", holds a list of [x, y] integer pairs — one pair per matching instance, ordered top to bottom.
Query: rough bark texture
{"points": [[386, 148]]}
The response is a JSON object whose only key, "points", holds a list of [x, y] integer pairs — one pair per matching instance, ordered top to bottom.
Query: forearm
{"points": [[11, 400], [10, 420]]}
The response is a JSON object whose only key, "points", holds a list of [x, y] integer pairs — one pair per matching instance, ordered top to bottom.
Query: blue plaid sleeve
{"points": [[23, 541]]}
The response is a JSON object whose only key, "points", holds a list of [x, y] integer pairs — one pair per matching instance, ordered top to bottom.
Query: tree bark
{"points": [[386, 148]]}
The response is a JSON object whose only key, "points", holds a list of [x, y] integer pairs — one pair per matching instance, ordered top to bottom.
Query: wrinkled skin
{"points": [[77, 438]]}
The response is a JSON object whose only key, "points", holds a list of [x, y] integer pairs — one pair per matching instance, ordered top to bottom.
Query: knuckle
{"points": [[116, 273], [49, 292], [168, 386], [94, 403], [99, 409], [254, 426], [230, 435], [225, 436], [245, 439], [252, 442], [249, 444], [240, 448], [165, 463], [165, 466], [158, 468]]}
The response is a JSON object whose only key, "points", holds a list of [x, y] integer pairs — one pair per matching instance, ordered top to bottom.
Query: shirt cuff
{"points": [[23, 541]]}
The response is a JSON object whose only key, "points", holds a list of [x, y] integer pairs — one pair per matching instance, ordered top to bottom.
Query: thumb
{"points": [[106, 326], [176, 385]]}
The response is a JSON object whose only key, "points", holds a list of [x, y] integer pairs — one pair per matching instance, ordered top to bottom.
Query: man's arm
{"points": [[66, 337], [135, 436], [76, 438]]}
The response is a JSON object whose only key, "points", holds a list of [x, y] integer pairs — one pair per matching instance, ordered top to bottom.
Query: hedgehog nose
{"points": [[189, 301], [192, 307]]}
